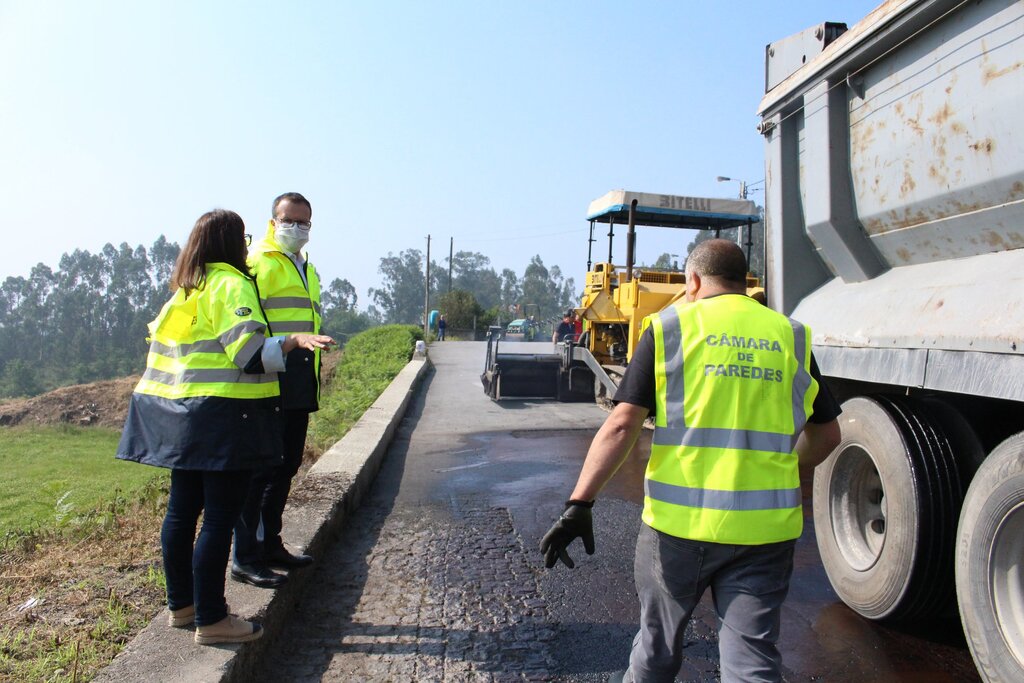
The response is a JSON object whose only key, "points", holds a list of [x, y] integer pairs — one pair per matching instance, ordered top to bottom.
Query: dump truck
{"points": [[895, 231], [615, 300]]}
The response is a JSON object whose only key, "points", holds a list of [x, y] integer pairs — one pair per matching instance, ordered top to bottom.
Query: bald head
{"points": [[715, 267]]}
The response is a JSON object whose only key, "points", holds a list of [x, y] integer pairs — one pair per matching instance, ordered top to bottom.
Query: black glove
{"points": [[575, 522]]}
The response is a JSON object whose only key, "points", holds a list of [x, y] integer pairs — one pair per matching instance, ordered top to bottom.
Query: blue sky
{"points": [[493, 123]]}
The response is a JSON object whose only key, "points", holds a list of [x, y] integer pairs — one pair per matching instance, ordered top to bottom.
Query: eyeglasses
{"points": [[291, 225], [248, 239]]}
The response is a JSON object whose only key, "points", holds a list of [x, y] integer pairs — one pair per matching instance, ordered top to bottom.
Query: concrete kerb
{"points": [[317, 507]]}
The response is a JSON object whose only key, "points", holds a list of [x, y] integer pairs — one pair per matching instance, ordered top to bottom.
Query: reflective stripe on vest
{"points": [[278, 302], [291, 326], [206, 376], [718, 479], [722, 500]]}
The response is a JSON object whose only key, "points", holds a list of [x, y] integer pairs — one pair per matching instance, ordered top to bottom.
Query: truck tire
{"points": [[966, 444], [885, 504], [990, 549]]}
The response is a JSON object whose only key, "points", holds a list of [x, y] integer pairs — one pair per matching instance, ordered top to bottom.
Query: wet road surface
{"points": [[437, 577]]}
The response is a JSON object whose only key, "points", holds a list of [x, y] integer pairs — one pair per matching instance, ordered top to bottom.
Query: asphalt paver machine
{"points": [[615, 300]]}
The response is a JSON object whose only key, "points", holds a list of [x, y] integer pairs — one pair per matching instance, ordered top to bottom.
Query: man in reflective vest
{"points": [[290, 295], [737, 404]]}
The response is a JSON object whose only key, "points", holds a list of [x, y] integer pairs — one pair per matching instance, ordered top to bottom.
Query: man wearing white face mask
{"points": [[289, 289]]}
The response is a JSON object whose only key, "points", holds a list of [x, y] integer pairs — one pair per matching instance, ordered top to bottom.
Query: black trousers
{"points": [[268, 493]]}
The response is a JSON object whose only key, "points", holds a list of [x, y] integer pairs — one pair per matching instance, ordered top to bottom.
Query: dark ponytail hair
{"points": [[218, 236]]}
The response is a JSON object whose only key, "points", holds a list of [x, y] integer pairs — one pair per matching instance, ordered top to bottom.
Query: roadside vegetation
{"points": [[368, 364], [80, 570]]}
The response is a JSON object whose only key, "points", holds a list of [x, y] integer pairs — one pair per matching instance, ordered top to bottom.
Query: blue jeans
{"points": [[195, 575], [748, 584]]}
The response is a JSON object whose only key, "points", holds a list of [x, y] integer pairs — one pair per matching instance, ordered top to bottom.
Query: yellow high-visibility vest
{"points": [[291, 306], [200, 343], [734, 390]]}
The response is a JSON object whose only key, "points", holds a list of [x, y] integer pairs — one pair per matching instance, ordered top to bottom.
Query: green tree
{"points": [[739, 235], [162, 257], [665, 262], [471, 271], [546, 288], [511, 290], [340, 294], [400, 298], [460, 309], [340, 319], [84, 321], [20, 378]]}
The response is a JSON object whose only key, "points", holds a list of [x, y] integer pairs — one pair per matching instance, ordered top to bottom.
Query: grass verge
{"points": [[371, 360], [53, 475]]}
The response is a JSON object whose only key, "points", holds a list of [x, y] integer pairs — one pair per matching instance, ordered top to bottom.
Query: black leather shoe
{"points": [[280, 557], [257, 575]]}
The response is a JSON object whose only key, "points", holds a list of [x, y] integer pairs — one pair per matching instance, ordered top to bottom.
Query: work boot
{"points": [[280, 557], [257, 575], [182, 617], [230, 629]]}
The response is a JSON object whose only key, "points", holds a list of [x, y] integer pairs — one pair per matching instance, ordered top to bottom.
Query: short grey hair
{"points": [[718, 259]]}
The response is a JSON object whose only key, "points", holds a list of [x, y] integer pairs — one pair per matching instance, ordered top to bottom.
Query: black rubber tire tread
{"points": [[967, 449], [997, 488], [913, 575], [933, 587]]}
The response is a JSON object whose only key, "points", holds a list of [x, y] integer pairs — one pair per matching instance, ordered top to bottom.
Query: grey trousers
{"points": [[748, 584]]}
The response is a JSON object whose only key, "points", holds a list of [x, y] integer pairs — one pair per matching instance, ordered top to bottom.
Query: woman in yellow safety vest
{"points": [[204, 408]]}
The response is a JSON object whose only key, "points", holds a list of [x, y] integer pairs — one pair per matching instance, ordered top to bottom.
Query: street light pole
{"points": [[743, 184], [739, 231], [426, 297]]}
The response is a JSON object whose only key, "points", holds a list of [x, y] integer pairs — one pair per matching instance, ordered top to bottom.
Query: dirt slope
{"points": [[103, 404]]}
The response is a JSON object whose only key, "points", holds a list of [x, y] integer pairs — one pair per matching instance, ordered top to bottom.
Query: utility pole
{"points": [[451, 253], [426, 296]]}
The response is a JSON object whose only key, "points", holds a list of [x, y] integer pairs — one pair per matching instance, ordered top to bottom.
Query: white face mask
{"points": [[291, 236]]}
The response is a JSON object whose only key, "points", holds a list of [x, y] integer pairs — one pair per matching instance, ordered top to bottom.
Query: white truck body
{"points": [[895, 198], [895, 231]]}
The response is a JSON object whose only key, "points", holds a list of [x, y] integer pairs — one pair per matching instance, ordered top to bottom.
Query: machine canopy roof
{"points": [[672, 211]]}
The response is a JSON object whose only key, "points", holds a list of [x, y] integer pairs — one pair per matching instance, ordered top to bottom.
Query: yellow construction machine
{"points": [[616, 299]]}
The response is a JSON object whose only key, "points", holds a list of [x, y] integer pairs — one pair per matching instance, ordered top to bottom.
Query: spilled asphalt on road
{"points": [[437, 576]]}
